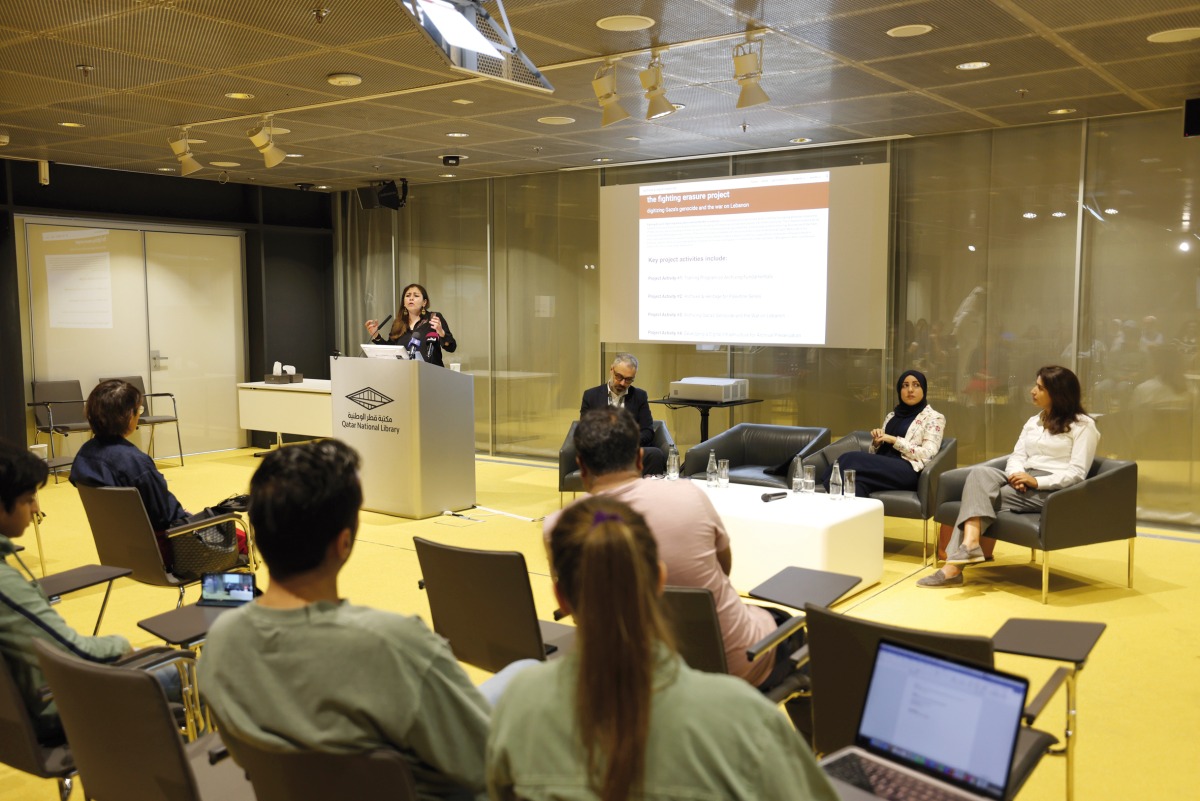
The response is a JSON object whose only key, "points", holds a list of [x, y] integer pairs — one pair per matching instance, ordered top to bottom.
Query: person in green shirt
{"points": [[622, 716]]}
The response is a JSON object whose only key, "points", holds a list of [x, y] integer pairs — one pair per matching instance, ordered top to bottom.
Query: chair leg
{"points": [[179, 441], [925, 544], [1045, 575], [1129, 578], [179, 603], [103, 606], [65, 785]]}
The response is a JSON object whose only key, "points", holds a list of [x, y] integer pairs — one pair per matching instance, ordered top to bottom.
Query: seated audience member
{"points": [[620, 392], [109, 459], [691, 538], [25, 613], [301, 668], [622, 716]]}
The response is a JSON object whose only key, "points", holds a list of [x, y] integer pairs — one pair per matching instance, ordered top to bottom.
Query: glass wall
{"points": [[1062, 243]]}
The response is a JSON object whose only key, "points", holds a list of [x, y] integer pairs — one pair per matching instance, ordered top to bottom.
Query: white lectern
{"points": [[414, 426]]}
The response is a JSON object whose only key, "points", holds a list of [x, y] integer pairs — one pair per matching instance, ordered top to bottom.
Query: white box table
{"points": [[302, 409], [804, 530]]}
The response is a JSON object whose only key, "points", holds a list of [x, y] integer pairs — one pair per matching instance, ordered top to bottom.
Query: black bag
{"points": [[212, 549]]}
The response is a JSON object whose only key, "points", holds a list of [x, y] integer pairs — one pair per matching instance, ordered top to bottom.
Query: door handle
{"points": [[158, 361]]}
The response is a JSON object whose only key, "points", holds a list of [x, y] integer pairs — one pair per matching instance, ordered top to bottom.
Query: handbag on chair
{"points": [[212, 549]]}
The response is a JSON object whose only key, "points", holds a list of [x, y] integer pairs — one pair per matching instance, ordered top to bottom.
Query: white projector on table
{"points": [[712, 390]]}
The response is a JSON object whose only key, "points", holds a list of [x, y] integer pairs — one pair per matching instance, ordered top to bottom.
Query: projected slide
{"points": [[734, 260]]}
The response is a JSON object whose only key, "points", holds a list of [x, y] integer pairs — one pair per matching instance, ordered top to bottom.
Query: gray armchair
{"points": [[754, 449], [569, 479], [917, 505], [1101, 508]]}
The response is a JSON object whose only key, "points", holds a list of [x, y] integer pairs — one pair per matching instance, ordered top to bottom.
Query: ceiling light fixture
{"points": [[624, 23], [905, 31], [1174, 35], [973, 65], [747, 70], [343, 79], [652, 82], [604, 84], [239, 95], [1061, 111], [556, 120], [72, 124], [458, 135], [800, 140], [263, 141], [183, 154], [223, 163], [1111, 211], [1058, 214], [1030, 215]]}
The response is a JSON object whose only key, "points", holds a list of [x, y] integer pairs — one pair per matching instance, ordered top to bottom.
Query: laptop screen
{"points": [[373, 351], [226, 589], [950, 719]]}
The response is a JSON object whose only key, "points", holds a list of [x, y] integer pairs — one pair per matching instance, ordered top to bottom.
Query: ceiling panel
{"points": [[1077, 13], [1128, 37], [1012, 57], [1099, 106]]}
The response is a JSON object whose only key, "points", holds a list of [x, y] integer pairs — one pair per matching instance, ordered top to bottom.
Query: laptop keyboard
{"points": [[884, 782]]}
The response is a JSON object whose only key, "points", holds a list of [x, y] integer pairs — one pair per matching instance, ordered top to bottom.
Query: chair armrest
{"points": [[159, 395], [50, 403], [662, 436], [728, 445], [566, 454], [825, 458], [944, 460], [951, 482], [1101, 508], [196, 525], [787, 629], [154, 657], [1056, 680], [795, 683]]}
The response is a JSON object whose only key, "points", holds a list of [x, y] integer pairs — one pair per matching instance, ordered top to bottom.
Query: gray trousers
{"points": [[985, 493]]}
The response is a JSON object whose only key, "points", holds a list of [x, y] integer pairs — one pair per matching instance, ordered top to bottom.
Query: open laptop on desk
{"points": [[226, 589], [931, 727]]}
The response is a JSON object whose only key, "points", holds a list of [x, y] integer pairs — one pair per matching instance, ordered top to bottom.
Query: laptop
{"points": [[374, 351], [226, 589], [945, 728]]}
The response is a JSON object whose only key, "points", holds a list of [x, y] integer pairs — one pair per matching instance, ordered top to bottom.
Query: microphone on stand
{"points": [[431, 343]]}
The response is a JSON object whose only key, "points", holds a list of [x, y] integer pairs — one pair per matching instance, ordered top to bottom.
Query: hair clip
{"points": [[604, 517]]}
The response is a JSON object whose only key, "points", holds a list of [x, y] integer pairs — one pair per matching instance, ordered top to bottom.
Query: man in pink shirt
{"points": [[691, 538]]}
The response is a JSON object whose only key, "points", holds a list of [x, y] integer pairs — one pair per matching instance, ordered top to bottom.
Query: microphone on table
{"points": [[431, 342], [773, 496]]}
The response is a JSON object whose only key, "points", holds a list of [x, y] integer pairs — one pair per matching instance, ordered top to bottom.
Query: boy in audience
{"points": [[25, 612], [301, 668]]}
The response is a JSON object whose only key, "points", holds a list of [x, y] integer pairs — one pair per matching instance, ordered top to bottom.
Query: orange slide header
{"points": [[757, 199]]}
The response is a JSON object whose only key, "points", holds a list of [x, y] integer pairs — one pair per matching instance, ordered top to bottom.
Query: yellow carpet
{"points": [[1139, 698]]}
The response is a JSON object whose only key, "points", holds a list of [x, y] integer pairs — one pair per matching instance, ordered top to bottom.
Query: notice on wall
{"points": [[79, 287]]}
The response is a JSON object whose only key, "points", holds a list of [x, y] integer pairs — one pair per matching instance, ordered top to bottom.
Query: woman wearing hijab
{"points": [[910, 437]]}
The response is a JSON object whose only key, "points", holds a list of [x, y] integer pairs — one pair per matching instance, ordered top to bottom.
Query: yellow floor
{"points": [[1139, 696]]}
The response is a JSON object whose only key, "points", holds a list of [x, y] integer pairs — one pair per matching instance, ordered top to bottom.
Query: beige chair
{"points": [[58, 408], [150, 418], [124, 536], [481, 601], [126, 740], [19, 745], [279, 775]]}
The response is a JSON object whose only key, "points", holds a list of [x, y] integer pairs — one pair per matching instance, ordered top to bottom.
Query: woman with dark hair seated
{"points": [[910, 437], [1055, 451], [109, 459], [622, 716]]}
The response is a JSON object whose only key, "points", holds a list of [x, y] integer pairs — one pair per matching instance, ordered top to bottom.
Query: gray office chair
{"points": [[58, 408], [150, 418], [759, 455], [569, 478], [917, 505], [1101, 508], [124, 536], [481, 601], [841, 652], [125, 737], [19, 744], [319, 775]]}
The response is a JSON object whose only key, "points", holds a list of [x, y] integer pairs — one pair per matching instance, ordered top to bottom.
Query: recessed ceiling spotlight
{"points": [[625, 22], [905, 31], [1174, 35], [973, 65], [343, 79], [239, 95], [462, 101], [1061, 111], [556, 120], [72, 125], [457, 135], [633, 139], [800, 140], [295, 155], [601, 160], [223, 163], [166, 169], [447, 175], [322, 186], [1111, 211], [1058, 214], [1030, 215], [1185, 246], [971, 248]]}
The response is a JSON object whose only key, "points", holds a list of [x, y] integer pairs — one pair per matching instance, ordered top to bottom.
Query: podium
{"points": [[414, 426]]}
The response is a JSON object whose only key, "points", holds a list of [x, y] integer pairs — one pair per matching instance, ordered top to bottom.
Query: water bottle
{"points": [[672, 462], [712, 468], [797, 474], [835, 483]]}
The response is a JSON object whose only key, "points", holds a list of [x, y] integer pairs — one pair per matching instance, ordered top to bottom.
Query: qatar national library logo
{"points": [[369, 398]]}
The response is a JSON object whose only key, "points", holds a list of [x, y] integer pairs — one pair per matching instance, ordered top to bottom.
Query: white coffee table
{"points": [[813, 531]]}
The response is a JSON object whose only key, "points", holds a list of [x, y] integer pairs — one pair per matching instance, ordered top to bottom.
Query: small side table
{"points": [[704, 407]]}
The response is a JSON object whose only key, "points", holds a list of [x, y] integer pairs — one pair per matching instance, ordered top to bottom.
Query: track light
{"points": [[747, 70], [652, 82], [605, 87], [260, 137], [183, 154]]}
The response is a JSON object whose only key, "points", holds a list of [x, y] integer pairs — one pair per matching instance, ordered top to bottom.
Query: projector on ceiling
{"points": [[713, 390]]}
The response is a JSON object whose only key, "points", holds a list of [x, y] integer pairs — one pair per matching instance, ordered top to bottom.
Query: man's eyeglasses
{"points": [[623, 379]]}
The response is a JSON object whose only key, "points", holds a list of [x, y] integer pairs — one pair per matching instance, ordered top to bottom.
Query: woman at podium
{"points": [[416, 328]]}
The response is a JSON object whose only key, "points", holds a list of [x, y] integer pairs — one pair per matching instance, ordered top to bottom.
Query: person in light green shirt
{"points": [[301, 668], [622, 716]]}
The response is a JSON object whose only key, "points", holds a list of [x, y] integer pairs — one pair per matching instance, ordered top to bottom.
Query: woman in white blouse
{"points": [[1055, 450]]}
